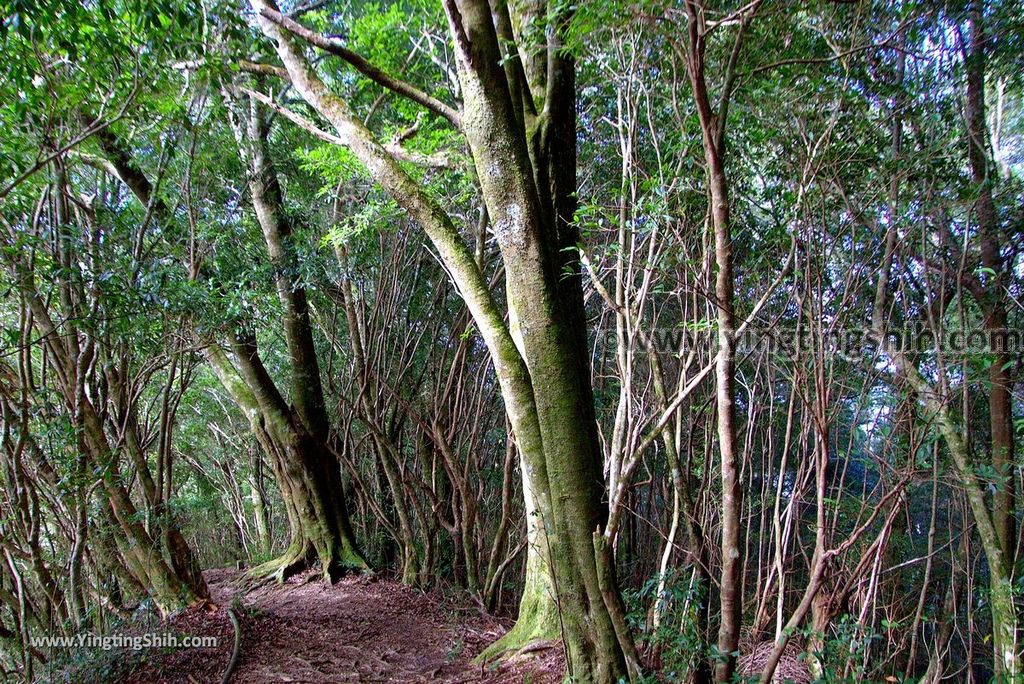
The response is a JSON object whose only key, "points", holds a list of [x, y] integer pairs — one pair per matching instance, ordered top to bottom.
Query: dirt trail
{"points": [[358, 630]]}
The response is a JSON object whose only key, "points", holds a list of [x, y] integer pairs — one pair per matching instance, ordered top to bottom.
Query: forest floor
{"points": [[361, 629]]}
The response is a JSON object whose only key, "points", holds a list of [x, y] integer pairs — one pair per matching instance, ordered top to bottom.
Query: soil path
{"points": [[357, 630]]}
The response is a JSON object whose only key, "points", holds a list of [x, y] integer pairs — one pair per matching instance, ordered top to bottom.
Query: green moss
{"points": [[538, 614], [538, 620]]}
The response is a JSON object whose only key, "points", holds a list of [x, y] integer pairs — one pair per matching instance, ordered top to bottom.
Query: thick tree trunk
{"points": [[993, 299], [549, 319], [547, 396], [308, 472], [309, 477], [538, 607]]}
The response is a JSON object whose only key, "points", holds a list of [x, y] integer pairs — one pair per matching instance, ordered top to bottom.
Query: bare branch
{"points": [[300, 121]]}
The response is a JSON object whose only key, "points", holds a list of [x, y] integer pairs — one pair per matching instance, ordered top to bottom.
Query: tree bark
{"points": [[712, 134], [993, 299], [547, 394], [309, 477]]}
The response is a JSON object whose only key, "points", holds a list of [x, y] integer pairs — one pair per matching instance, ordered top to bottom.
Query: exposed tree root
{"points": [[300, 557], [293, 561], [537, 623], [235, 650]]}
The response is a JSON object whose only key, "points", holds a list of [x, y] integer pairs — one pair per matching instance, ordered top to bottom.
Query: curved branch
{"points": [[376, 75]]}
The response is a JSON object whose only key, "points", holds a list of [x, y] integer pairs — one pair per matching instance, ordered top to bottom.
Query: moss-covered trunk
{"points": [[526, 166], [528, 180], [991, 296], [296, 437], [307, 471], [258, 499], [170, 588], [538, 607], [1006, 661]]}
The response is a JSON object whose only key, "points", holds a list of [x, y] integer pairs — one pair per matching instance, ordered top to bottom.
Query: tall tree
{"points": [[516, 132]]}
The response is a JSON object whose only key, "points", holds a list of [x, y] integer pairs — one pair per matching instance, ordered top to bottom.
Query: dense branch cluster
{"points": [[533, 301]]}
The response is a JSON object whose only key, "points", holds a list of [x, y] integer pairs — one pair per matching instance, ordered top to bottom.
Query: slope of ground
{"points": [[357, 630]]}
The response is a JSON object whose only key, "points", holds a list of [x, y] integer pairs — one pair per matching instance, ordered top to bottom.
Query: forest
{"points": [[512, 341]]}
